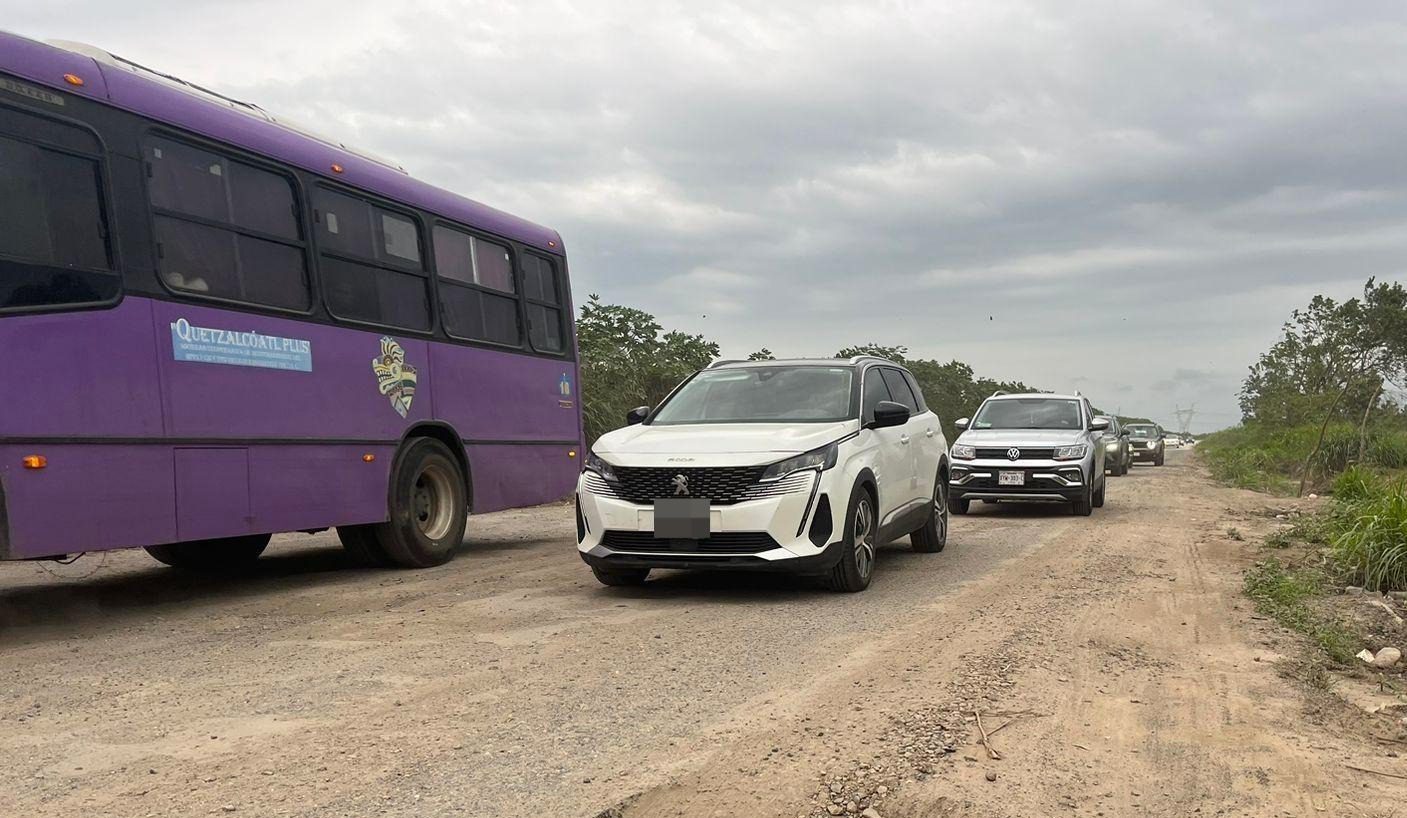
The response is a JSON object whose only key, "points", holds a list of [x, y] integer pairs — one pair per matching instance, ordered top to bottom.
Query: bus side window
{"points": [[224, 228], [54, 245], [371, 262], [477, 290], [544, 303]]}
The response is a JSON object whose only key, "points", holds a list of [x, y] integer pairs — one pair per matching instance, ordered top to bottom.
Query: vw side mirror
{"points": [[887, 413], [637, 415], [962, 423], [1099, 424], [1124, 433]]}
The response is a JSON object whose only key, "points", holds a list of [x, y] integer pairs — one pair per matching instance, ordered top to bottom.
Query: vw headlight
{"points": [[1111, 447], [964, 452], [1070, 452], [818, 459], [601, 467]]}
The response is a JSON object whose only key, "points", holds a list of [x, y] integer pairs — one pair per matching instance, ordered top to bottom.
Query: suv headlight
{"points": [[1112, 446], [964, 452], [1075, 452], [818, 459], [601, 467]]}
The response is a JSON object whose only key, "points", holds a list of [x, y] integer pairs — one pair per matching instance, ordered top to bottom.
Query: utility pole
{"points": [[1184, 418]]}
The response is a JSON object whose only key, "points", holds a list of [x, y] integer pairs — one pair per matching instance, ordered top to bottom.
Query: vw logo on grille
{"points": [[1013, 453], [681, 485]]}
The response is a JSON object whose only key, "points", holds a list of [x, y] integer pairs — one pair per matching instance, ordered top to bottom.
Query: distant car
{"points": [[1173, 440], [1146, 442], [1030, 448], [1118, 455]]}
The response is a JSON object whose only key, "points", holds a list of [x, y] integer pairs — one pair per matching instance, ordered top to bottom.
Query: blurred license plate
{"points": [[1011, 478], [682, 518]]}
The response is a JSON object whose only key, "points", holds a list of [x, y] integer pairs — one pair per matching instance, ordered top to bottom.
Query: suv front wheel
{"points": [[1083, 505], [933, 535], [852, 573]]}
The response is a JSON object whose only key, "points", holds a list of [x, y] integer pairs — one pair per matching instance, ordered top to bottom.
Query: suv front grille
{"points": [[1026, 454], [720, 486], [727, 542]]}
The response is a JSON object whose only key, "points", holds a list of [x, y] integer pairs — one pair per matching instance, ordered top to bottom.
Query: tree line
{"points": [[628, 359], [1333, 365]]}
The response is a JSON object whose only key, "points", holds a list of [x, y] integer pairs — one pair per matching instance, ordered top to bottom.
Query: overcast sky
{"points": [[1125, 198]]}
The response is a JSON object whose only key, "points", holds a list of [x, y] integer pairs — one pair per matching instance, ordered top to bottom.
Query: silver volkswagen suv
{"points": [[1030, 448]]}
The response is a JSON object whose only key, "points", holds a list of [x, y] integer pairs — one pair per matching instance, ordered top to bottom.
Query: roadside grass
{"points": [[1262, 458], [1367, 530], [1287, 596]]}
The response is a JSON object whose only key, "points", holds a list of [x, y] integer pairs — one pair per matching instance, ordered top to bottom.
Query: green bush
{"points": [[1370, 543]]}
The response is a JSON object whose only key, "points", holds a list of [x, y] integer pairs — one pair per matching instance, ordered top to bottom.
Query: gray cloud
{"points": [[1132, 191]]}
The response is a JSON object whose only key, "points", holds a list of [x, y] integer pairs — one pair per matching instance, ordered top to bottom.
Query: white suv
{"points": [[804, 466]]}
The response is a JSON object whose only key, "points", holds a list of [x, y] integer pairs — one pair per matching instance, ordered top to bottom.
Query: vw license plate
{"points": [[1011, 478], [679, 518]]}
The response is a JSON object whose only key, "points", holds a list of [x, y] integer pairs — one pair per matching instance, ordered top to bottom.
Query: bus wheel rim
{"points": [[432, 501]]}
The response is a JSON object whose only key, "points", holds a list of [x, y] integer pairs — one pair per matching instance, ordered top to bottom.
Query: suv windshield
{"points": [[764, 394], [1028, 413], [1142, 431]]}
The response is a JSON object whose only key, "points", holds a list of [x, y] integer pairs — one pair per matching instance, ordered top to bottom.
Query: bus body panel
{"points": [[76, 375], [337, 399], [512, 476], [89, 498]]}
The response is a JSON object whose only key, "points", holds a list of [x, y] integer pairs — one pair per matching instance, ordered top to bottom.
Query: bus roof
{"points": [[132, 87]]}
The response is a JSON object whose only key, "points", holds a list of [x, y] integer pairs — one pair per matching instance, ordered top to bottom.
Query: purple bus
{"points": [[217, 326]]}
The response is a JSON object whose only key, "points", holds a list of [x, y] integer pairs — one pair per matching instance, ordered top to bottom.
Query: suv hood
{"points": [[1021, 437], [716, 444]]}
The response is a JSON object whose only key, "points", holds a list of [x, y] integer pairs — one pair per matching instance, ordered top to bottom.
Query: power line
{"points": [[1184, 418]]}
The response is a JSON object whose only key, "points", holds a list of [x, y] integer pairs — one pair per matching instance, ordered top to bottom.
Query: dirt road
{"points": [[508, 683]]}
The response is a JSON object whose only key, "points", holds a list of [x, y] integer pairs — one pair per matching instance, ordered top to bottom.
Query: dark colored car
{"points": [[1146, 442], [1118, 453]]}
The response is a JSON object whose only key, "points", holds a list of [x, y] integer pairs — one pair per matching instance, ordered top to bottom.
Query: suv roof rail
{"points": [[855, 359], [724, 362], [1000, 392]]}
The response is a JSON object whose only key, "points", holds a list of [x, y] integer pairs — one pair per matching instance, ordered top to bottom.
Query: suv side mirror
{"points": [[888, 413], [637, 415], [962, 423], [1099, 424], [1124, 433]]}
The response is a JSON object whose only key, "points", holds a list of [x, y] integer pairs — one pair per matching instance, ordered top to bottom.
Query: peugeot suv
{"points": [[1147, 442], [1035, 448], [804, 466]]}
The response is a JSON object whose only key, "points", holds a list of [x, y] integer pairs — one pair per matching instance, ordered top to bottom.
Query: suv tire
{"points": [[1158, 460], [1098, 498], [959, 506], [1082, 506], [932, 536], [856, 565], [621, 577]]}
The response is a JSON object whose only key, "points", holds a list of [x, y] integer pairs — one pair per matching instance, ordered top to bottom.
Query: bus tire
{"points": [[429, 506], [360, 543], [207, 555]]}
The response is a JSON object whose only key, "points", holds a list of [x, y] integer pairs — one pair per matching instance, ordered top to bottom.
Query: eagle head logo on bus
{"points": [[394, 377]]}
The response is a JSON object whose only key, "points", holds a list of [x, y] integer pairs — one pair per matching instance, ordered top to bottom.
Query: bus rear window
{"points": [[53, 230]]}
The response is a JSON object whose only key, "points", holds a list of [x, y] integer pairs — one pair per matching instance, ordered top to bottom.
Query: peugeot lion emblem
{"points": [[1013, 453], [681, 485]]}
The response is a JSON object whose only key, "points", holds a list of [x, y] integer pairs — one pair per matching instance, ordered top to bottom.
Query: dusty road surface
{"points": [[1114, 656]]}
